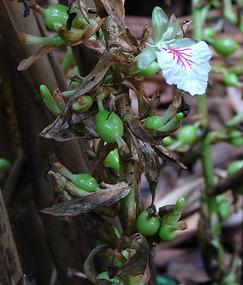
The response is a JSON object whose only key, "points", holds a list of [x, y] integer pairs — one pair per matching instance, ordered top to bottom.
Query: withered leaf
{"points": [[84, 9], [115, 9], [186, 23], [145, 35], [76, 36], [131, 38], [127, 42], [95, 47], [120, 58], [27, 62], [93, 78], [89, 82], [138, 87], [154, 101], [176, 103], [133, 121], [136, 126], [71, 127], [102, 153], [164, 153], [150, 164], [102, 198], [165, 210], [110, 211], [96, 227], [138, 262], [88, 267], [146, 276]]}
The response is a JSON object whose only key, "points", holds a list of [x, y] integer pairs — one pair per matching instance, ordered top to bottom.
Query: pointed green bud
{"points": [[159, 23], [68, 60], [49, 100], [173, 124], [173, 217]]}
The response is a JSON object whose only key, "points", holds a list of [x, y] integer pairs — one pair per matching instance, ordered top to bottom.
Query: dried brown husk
{"points": [[83, 9], [114, 9], [76, 36], [95, 47], [27, 62], [71, 127], [102, 152], [168, 156], [150, 164], [101, 198], [97, 227], [138, 262], [88, 267]]}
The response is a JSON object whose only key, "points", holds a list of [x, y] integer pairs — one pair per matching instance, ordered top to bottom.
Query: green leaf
{"points": [[104, 276]]}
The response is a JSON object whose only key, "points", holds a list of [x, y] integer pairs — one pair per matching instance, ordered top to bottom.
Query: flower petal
{"points": [[173, 31], [186, 67]]}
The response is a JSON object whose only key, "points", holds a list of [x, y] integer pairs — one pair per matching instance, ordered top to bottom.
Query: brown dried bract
{"points": [[102, 198]]}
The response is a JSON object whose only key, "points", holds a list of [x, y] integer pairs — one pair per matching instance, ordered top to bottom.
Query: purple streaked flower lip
{"points": [[181, 56], [185, 66]]}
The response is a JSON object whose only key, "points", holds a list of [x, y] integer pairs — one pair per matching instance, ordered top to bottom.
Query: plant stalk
{"points": [[202, 105], [206, 157]]}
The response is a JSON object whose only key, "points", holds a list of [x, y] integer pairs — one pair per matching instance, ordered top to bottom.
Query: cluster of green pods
{"points": [[58, 14], [224, 46], [166, 123], [150, 224]]}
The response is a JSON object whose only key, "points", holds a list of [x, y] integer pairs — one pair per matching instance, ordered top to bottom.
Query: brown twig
{"points": [[230, 182]]}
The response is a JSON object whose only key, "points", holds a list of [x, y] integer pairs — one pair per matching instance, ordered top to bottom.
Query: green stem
{"points": [[68, 60], [218, 69], [238, 69], [69, 93], [100, 99], [202, 105], [206, 157], [207, 163], [66, 173], [129, 205]]}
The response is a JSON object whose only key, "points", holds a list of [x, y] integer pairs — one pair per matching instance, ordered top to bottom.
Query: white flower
{"points": [[185, 63]]}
